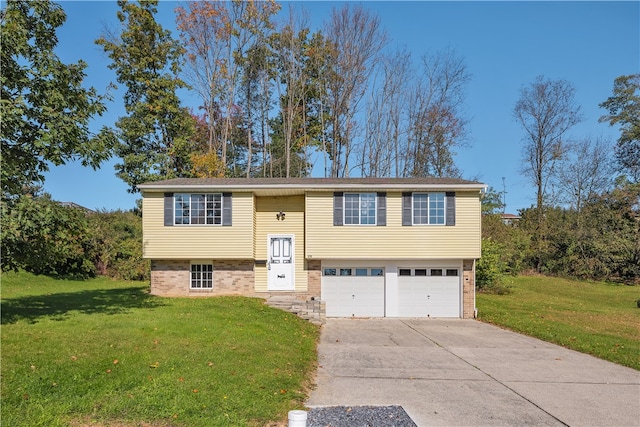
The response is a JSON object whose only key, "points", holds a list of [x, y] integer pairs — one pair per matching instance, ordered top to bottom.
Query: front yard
{"points": [[106, 353]]}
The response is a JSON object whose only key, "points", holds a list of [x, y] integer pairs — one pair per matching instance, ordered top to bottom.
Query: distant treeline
{"points": [[600, 241]]}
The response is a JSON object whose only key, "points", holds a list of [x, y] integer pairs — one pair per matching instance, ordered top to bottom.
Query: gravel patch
{"points": [[359, 416]]}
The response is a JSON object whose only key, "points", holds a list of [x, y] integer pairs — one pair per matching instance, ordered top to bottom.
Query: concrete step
{"points": [[312, 311]]}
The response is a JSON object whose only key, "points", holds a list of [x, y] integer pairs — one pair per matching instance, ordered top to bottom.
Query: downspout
{"points": [[475, 308]]}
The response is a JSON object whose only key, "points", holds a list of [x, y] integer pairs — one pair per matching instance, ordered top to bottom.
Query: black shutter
{"points": [[338, 198], [168, 208], [226, 209], [382, 209], [406, 209], [450, 215]]}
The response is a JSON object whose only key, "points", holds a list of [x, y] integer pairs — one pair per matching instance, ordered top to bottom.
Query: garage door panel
{"points": [[337, 296], [351, 296], [368, 296], [433, 296], [412, 297], [444, 298]]}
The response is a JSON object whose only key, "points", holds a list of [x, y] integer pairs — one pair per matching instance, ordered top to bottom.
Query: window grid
{"points": [[420, 207], [360, 208], [429, 208], [436, 208], [197, 209], [353, 271], [432, 272], [201, 276]]}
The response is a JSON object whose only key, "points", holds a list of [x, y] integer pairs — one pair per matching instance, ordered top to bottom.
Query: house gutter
{"points": [[307, 187]]}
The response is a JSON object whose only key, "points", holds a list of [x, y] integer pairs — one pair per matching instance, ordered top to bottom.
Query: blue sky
{"points": [[505, 45]]}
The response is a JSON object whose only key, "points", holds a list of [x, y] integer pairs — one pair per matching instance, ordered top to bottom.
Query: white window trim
{"points": [[190, 210], [360, 224], [429, 224], [201, 263]]}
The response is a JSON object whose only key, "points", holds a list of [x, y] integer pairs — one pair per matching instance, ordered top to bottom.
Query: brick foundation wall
{"points": [[314, 275], [170, 278], [173, 278], [233, 278], [468, 289]]}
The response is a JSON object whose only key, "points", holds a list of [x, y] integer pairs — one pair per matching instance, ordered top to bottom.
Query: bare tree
{"points": [[217, 35], [357, 38], [289, 50], [546, 110], [437, 120], [381, 149], [586, 170]]}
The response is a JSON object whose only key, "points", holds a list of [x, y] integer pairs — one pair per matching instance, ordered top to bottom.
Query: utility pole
{"points": [[504, 195]]}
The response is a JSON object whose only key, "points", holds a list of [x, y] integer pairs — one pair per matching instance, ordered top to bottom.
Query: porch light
{"points": [[280, 216]]}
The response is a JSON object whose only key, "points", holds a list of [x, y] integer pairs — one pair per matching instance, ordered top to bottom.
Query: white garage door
{"points": [[353, 292], [428, 292]]}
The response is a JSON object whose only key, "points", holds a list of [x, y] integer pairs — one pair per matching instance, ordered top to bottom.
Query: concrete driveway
{"points": [[464, 372]]}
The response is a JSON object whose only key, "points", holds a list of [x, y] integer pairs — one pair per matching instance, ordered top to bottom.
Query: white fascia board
{"points": [[315, 188]]}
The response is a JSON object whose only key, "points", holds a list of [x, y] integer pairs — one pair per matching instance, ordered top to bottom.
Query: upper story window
{"points": [[198, 208], [360, 208], [429, 208], [194, 209]]}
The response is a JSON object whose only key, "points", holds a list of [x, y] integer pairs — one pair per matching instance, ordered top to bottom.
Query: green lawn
{"points": [[596, 318], [106, 353]]}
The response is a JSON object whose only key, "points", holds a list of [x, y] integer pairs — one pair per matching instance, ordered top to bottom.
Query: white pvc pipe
{"points": [[297, 418]]}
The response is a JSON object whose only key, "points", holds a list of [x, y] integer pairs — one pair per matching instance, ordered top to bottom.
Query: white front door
{"points": [[281, 263]]}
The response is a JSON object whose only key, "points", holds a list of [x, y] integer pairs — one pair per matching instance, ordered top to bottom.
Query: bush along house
{"points": [[364, 247]]}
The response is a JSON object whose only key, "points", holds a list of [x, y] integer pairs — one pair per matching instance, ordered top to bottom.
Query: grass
{"points": [[596, 318], [106, 353]]}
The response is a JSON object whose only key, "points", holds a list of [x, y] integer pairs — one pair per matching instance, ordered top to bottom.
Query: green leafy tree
{"points": [[45, 109], [624, 110], [155, 136], [491, 202], [41, 236], [599, 242], [608, 243], [116, 245], [503, 245]]}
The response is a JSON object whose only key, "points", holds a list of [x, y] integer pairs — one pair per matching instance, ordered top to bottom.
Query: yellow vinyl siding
{"points": [[293, 224], [198, 241], [393, 241]]}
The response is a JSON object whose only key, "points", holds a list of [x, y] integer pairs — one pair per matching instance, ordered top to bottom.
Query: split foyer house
{"points": [[367, 247]]}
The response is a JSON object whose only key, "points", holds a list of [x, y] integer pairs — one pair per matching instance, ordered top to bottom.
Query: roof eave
{"points": [[309, 188]]}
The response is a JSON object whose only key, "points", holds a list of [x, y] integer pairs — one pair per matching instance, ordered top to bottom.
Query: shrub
{"points": [[43, 237], [117, 245], [490, 269]]}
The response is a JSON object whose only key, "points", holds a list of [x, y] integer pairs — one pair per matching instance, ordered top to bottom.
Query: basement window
{"points": [[201, 276]]}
